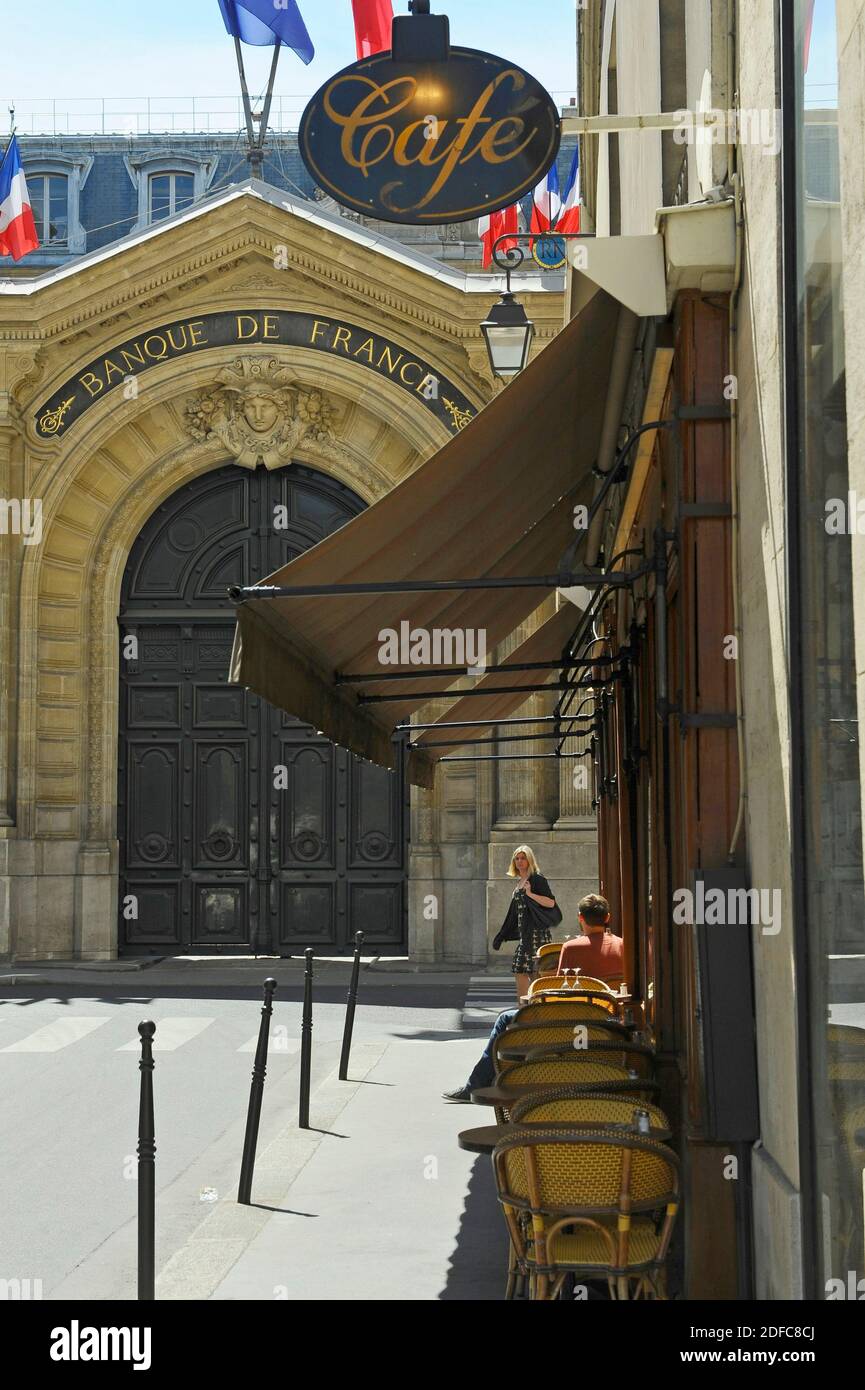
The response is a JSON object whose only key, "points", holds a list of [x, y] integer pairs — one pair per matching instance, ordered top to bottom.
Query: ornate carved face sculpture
{"points": [[260, 411]]}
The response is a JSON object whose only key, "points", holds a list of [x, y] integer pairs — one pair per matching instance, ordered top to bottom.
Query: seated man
{"points": [[597, 953]]}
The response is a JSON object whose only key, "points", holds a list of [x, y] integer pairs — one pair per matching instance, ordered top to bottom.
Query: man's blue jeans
{"points": [[484, 1073]]}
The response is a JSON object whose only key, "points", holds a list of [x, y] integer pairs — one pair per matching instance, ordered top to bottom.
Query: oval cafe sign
{"points": [[414, 137]]}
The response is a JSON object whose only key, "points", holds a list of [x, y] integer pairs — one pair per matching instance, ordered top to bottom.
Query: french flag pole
{"points": [[546, 201], [569, 217], [17, 227]]}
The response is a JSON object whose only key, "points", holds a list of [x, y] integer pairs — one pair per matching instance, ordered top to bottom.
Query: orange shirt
{"points": [[601, 954]]}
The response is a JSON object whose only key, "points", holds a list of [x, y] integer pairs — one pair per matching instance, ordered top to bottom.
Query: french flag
{"points": [[372, 26], [546, 202], [569, 218], [494, 225], [17, 227]]}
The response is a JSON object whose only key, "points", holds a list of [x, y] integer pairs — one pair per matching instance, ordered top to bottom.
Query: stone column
{"points": [[524, 787], [575, 787], [425, 886]]}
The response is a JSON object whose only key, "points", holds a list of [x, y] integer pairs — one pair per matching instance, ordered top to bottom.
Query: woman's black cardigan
{"points": [[535, 915]]}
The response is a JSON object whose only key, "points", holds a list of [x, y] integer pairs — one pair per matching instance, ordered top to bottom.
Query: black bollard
{"points": [[349, 1010], [306, 1043], [256, 1091], [146, 1170]]}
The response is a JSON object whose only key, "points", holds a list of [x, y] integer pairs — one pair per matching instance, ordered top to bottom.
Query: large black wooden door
{"points": [[239, 828]]}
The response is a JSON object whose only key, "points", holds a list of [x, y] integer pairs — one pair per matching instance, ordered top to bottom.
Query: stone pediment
{"points": [[255, 238]]}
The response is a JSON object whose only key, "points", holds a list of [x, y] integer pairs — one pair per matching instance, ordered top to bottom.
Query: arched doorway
{"points": [[239, 829]]}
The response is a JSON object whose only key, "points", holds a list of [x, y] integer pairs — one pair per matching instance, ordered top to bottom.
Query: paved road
{"points": [[68, 1127]]}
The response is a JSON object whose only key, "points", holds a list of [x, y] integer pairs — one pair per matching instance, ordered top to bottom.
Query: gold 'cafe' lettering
{"points": [[369, 135], [252, 328]]}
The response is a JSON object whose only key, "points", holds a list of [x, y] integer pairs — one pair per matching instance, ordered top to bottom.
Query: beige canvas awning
{"points": [[496, 502]]}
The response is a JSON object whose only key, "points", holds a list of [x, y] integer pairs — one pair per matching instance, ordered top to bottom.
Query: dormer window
{"points": [[168, 182], [54, 183], [169, 193], [49, 198]]}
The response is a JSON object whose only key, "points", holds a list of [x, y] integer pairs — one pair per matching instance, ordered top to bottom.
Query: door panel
{"points": [[239, 828]]}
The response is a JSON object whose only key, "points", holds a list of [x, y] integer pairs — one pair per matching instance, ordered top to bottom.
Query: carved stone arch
{"points": [[96, 501]]}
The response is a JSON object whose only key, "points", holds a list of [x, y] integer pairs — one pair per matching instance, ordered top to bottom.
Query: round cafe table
{"points": [[484, 1139]]}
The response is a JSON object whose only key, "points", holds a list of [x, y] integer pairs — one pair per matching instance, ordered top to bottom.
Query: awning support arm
{"points": [[239, 593], [360, 678], [485, 694], [485, 723], [510, 738], [505, 757]]}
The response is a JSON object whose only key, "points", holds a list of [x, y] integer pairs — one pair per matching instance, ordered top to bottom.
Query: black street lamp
{"points": [[508, 333]]}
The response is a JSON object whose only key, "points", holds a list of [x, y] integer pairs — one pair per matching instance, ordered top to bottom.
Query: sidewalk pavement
{"points": [[207, 971], [376, 1203]]}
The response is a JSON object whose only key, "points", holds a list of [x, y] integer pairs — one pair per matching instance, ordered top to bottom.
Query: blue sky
{"points": [[174, 48], [821, 79]]}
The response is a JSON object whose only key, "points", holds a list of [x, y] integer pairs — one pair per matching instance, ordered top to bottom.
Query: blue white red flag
{"points": [[261, 22], [546, 202], [569, 217], [495, 225], [17, 227]]}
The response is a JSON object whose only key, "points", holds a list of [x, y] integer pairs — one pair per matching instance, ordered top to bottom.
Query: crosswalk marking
{"points": [[171, 1033], [53, 1036]]}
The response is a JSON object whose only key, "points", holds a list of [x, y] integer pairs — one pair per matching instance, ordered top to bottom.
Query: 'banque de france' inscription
{"points": [[253, 327]]}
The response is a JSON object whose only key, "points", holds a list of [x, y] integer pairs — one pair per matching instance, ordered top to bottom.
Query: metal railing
{"points": [[134, 116]]}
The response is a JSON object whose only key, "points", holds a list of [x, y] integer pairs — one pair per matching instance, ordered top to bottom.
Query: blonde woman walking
{"points": [[531, 916]]}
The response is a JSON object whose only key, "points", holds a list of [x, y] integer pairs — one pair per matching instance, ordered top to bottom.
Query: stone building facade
{"points": [[102, 424]]}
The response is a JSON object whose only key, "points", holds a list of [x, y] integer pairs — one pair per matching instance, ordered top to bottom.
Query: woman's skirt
{"points": [[523, 962]]}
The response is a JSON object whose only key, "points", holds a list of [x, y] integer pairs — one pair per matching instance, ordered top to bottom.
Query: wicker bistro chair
{"points": [[547, 958], [588, 982], [547, 987], [560, 1009], [553, 1036], [632, 1056], [588, 1074], [560, 1105], [602, 1206]]}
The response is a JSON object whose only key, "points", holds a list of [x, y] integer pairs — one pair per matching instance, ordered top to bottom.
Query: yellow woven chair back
{"points": [[547, 958], [592, 982], [554, 986], [574, 1010], [564, 1011], [552, 1035], [605, 1051], [583, 1072], [586, 1109], [595, 1171]]}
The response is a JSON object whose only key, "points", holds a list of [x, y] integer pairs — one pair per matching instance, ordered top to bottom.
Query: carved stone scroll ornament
{"points": [[260, 415]]}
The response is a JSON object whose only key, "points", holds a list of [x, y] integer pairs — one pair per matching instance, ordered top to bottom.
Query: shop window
{"points": [[827, 473]]}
